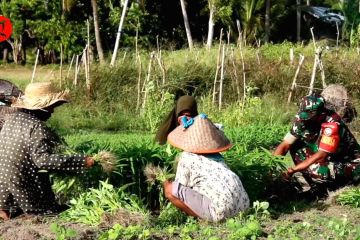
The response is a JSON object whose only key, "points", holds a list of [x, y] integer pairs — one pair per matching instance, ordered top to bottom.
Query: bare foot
{"points": [[4, 215]]}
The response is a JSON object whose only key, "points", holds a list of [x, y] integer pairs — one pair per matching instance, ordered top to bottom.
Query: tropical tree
{"points": [[218, 10], [250, 12], [186, 23], [99, 47]]}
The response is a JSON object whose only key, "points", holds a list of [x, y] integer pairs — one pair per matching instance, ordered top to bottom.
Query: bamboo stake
{"points": [[239, 31], [119, 33], [337, 36], [313, 37], [136, 41], [258, 43], [358, 48], [87, 51], [292, 56], [123, 59], [36, 61], [71, 62], [61, 63], [162, 68], [217, 68], [76, 70], [243, 70], [86, 72], [236, 76], [221, 77], [312, 81], [139, 83], [293, 85], [145, 89]]}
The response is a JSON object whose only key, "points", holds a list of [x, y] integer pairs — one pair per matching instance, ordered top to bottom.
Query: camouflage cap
{"points": [[310, 106]]}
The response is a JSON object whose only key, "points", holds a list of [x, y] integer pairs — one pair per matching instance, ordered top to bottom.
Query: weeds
{"points": [[350, 197]]}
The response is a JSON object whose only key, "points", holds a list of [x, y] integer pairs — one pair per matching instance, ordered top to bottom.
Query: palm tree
{"points": [[251, 18], [97, 32]]}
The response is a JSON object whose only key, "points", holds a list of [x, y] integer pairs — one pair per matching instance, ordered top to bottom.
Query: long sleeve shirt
{"points": [[27, 147]]}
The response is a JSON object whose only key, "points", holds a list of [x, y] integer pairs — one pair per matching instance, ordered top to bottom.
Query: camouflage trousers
{"points": [[329, 170]]}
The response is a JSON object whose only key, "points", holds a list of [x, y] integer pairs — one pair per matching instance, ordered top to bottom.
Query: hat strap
{"points": [[187, 122]]}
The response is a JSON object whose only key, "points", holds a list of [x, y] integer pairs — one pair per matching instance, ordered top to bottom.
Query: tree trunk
{"points": [[267, 20], [298, 21], [187, 26], [211, 27], [97, 32], [5, 55], [113, 58]]}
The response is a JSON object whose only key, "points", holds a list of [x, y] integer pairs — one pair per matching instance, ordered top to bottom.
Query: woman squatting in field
{"points": [[185, 106], [27, 146], [204, 186]]}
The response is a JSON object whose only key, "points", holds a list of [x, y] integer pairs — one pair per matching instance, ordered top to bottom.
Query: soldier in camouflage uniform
{"points": [[319, 141]]}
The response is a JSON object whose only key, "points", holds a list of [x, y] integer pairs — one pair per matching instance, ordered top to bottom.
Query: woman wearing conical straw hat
{"points": [[185, 106], [27, 146], [204, 186]]}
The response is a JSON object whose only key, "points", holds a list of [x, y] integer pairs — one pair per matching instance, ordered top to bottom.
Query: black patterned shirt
{"points": [[27, 148]]}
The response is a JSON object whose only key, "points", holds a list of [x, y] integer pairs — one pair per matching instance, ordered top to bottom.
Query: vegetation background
{"points": [[118, 107]]}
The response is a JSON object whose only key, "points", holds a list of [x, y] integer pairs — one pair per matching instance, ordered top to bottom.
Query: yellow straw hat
{"points": [[41, 95], [199, 135]]}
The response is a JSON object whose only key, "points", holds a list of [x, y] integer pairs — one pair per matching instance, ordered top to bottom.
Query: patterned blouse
{"points": [[26, 147], [216, 181]]}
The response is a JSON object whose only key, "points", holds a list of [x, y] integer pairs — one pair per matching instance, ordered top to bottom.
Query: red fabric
{"points": [[330, 137]]}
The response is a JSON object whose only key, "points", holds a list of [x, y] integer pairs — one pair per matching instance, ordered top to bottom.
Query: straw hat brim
{"points": [[41, 102], [201, 137], [200, 151]]}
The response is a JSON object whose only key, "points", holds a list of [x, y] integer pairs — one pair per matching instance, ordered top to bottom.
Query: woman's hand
{"points": [[89, 162]]}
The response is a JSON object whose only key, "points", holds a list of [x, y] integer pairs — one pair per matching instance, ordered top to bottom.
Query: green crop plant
{"points": [[350, 197], [89, 207], [61, 232]]}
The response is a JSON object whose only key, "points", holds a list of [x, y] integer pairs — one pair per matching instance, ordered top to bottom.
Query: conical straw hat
{"points": [[40, 95], [202, 136]]}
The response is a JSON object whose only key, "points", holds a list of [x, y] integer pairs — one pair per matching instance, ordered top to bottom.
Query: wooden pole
{"points": [[337, 36], [313, 37], [87, 51], [292, 56], [113, 58], [36, 61], [61, 63], [71, 63], [217, 68], [76, 70], [244, 74], [236, 76], [221, 77], [312, 81], [139, 83], [293, 85], [145, 89]]}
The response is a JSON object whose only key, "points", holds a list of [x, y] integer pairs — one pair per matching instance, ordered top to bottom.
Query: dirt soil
{"points": [[37, 228]]}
